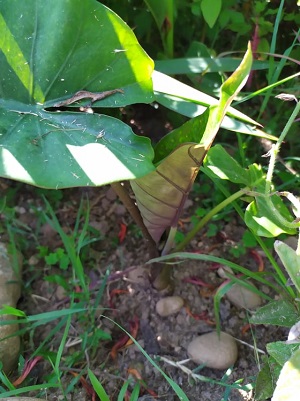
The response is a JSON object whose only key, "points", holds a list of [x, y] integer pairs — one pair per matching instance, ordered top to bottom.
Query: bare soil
{"points": [[164, 338]]}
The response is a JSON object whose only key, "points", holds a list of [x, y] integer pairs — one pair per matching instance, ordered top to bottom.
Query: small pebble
{"points": [[20, 209], [33, 260], [222, 271], [10, 290], [60, 293], [241, 297], [169, 305], [10, 344], [214, 351]]}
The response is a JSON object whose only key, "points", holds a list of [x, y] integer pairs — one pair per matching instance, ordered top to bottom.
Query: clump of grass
{"points": [[65, 371]]}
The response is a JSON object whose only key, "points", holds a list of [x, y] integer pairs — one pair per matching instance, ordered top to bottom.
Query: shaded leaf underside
{"points": [[161, 194]]}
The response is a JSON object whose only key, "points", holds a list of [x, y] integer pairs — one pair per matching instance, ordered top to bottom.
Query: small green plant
{"points": [[266, 216], [84, 304]]}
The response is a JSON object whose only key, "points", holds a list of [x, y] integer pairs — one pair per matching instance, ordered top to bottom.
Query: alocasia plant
{"points": [[57, 56]]}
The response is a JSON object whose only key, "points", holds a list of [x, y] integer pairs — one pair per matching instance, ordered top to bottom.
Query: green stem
{"points": [[275, 148], [273, 155], [208, 217], [268, 254], [278, 270]]}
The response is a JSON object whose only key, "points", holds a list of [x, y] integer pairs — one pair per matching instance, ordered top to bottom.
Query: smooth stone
{"points": [[222, 272], [10, 290], [60, 293], [241, 297], [169, 305], [9, 347], [214, 351], [22, 399]]}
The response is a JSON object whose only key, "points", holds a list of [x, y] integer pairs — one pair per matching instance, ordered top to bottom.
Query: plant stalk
{"points": [[275, 149], [273, 155], [136, 215]]}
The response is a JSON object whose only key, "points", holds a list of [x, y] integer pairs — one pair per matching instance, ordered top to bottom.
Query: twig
{"points": [[81, 95]]}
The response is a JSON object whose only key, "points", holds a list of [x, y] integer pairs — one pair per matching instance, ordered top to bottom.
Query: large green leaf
{"points": [[49, 51], [161, 194]]}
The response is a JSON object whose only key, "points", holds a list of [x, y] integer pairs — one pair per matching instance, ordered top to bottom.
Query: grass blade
{"points": [[97, 386], [180, 393]]}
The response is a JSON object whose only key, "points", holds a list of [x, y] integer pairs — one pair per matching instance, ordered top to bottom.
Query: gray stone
{"points": [[10, 290], [241, 297], [169, 305], [214, 351], [22, 399]]}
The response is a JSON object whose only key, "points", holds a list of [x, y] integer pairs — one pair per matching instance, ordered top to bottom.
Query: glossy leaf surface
{"points": [[49, 51]]}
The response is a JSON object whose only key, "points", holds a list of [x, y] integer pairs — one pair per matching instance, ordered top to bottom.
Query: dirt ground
{"points": [[164, 338]]}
